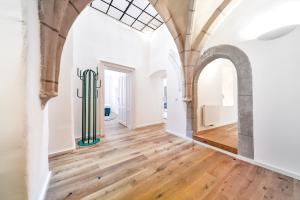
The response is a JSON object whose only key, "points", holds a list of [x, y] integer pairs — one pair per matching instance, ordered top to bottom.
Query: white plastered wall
{"points": [[97, 37], [164, 56], [276, 83], [211, 92], [12, 102], [61, 114], [36, 118], [24, 128]]}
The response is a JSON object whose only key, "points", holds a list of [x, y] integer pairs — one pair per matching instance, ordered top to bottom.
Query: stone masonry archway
{"points": [[57, 16], [56, 19], [245, 98]]}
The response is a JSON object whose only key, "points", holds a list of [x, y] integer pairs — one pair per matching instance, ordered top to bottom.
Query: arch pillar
{"points": [[56, 19]]}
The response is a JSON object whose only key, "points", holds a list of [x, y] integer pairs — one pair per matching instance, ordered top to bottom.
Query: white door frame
{"points": [[130, 72]]}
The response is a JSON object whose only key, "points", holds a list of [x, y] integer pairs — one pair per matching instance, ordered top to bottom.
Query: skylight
{"points": [[138, 14]]}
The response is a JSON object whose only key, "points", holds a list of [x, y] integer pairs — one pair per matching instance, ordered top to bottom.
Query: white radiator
{"points": [[211, 115]]}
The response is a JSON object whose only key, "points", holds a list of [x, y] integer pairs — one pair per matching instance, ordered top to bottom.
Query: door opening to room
{"points": [[117, 99], [165, 104], [217, 105]]}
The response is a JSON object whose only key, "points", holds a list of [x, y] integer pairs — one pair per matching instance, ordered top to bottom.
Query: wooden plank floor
{"points": [[224, 137], [149, 163]]}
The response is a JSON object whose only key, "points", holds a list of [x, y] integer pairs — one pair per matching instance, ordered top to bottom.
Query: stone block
{"points": [[153, 2], [80, 4], [162, 10], [52, 11], [68, 20], [172, 28], [49, 40], [197, 40], [179, 43], [59, 49], [190, 57], [244, 69], [188, 74], [244, 85], [188, 92], [245, 115], [245, 146]]}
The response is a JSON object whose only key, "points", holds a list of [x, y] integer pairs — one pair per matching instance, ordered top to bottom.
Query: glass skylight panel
{"points": [[107, 1], [141, 3], [121, 4], [100, 5], [151, 10], [134, 11], [114, 13], [138, 14], [158, 17], [145, 18], [127, 20], [155, 22], [138, 25], [152, 26], [147, 29]]}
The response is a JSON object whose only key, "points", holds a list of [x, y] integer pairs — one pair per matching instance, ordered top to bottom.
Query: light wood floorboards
{"points": [[224, 137], [149, 163]]}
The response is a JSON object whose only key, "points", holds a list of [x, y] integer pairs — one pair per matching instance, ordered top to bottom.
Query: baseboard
{"points": [[149, 125], [179, 135], [61, 152], [245, 159], [270, 167], [42, 196]]}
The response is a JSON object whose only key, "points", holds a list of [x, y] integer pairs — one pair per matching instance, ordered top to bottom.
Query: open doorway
{"points": [[114, 99], [165, 100], [217, 105], [118, 106]]}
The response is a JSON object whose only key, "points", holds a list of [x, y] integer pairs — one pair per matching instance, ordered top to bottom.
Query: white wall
{"points": [[98, 37], [164, 56], [218, 81], [276, 84], [12, 102], [61, 114], [36, 118], [24, 135]]}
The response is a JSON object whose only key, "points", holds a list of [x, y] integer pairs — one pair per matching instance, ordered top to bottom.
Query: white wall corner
{"points": [[180, 135], [43, 193]]}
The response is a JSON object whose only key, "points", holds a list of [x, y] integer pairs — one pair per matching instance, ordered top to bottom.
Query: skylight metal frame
{"points": [[137, 19]]}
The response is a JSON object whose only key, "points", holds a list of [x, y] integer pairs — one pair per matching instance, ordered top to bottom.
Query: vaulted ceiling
{"points": [[190, 22]]}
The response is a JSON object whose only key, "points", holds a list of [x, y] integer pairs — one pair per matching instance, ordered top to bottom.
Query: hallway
{"points": [[71, 128], [149, 163]]}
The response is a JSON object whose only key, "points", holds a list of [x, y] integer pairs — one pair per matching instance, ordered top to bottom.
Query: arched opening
{"points": [[159, 80], [244, 96], [150, 101], [217, 105]]}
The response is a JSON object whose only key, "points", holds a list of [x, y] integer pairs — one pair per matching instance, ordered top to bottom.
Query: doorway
{"points": [[243, 68], [114, 99], [165, 100], [117, 105], [217, 105]]}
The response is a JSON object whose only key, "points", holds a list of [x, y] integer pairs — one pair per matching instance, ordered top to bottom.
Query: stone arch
{"points": [[56, 18], [245, 96]]}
